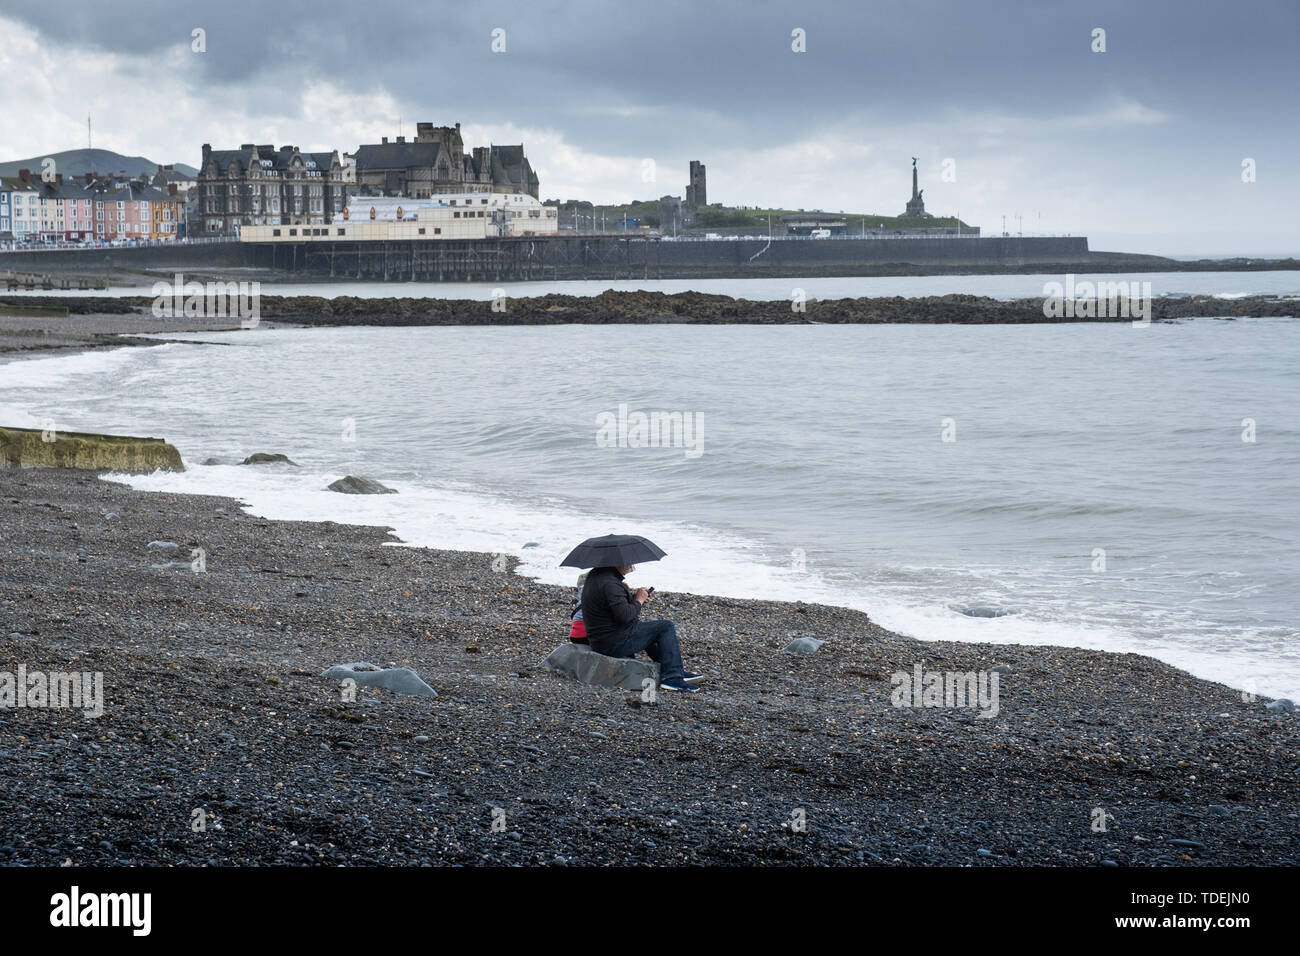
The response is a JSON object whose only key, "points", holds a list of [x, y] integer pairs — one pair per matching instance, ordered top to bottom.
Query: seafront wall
{"points": [[574, 257]]}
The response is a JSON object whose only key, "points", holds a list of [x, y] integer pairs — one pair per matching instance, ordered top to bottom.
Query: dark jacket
{"points": [[608, 609]]}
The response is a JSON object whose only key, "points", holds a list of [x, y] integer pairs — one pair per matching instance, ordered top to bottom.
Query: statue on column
{"points": [[916, 205]]}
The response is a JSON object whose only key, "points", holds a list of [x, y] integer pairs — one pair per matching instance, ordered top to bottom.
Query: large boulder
{"points": [[262, 458], [355, 485], [804, 645], [588, 667], [401, 680]]}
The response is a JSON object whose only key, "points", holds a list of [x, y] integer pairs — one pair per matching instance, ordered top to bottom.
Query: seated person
{"points": [[610, 612], [577, 629]]}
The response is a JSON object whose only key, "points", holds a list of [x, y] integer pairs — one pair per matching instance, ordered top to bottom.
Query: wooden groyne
{"points": [[18, 281]]}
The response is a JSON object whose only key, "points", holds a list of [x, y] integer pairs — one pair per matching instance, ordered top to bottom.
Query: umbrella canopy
{"points": [[613, 551]]}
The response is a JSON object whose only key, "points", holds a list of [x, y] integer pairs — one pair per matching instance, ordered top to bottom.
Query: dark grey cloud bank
{"points": [[1229, 65], [1146, 138]]}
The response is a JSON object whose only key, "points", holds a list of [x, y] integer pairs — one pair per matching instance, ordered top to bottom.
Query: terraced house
{"points": [[265, 186], [19, 209], [88, 209]]}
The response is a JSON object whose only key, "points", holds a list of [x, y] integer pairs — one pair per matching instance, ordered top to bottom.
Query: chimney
{"points": [[401, 139], [384, 140], [246, 146], [25, 175], [90, 178], [171, 189]]}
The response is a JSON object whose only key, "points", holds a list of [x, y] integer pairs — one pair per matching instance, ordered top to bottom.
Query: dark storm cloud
{"points": [[619, 72]]}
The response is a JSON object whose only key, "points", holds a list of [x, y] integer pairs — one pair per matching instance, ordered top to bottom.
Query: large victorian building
{"points": [[435, 162], [260, 185]]}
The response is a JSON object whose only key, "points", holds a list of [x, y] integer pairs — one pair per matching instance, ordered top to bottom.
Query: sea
{"points": [[1094, 485]]}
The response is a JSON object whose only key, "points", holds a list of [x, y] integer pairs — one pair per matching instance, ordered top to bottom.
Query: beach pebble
{"points": [[162, 545], [804, 645], [1000, 669], [1284, 705], [422, 738], [1219, 810], [1191, 843]]}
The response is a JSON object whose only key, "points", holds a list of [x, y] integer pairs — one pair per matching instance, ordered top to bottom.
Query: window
{"points": [[421, 230], [437, 231], [275, 232], [293, 232], [341, 232]]}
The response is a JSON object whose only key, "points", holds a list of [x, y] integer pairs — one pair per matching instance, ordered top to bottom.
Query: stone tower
{"points": [[697, 192]]}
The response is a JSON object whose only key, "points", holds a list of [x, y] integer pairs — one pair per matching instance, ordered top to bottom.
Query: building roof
{"points": [[397, 155], [266, 157], [511, 168], [15, 184]]}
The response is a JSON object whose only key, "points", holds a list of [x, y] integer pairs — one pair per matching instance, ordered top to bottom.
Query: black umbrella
{"points": [[613, 551]]}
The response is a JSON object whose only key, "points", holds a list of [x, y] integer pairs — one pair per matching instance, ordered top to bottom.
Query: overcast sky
{"points": [[1140, 147]]}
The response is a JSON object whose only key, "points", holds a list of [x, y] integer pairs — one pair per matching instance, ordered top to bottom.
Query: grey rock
{"points": [[262, 458], [211, 461], [356, 485], [531, 544], [162, 545], [984, 611], [804, 645], [588, 667], [1000, 669], [400, 680], [1283, 704], [422, 738], [1219, 810], [1192, 843]]}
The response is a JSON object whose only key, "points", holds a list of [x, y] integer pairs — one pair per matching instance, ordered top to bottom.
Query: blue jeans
{"points": [[657, 638]]}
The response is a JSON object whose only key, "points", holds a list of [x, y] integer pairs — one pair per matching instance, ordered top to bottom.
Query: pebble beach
{"points": [[221, 743]]}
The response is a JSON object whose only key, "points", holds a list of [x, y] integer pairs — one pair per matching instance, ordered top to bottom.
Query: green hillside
{"points": [[77, 162], [718, 218]]}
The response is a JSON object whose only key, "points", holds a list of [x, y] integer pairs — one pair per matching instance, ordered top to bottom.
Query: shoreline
{"points": [[94, 322], [213, 700]]}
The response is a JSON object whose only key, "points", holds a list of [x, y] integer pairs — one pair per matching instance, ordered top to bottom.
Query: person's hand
{"points": [[642, 595]]}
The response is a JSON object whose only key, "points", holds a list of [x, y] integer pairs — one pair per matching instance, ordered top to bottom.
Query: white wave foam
{"points": [[58, 369], [699, 561]]}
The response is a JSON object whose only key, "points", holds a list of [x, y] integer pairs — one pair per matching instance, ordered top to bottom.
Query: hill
{"points": [[77, 162]]}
